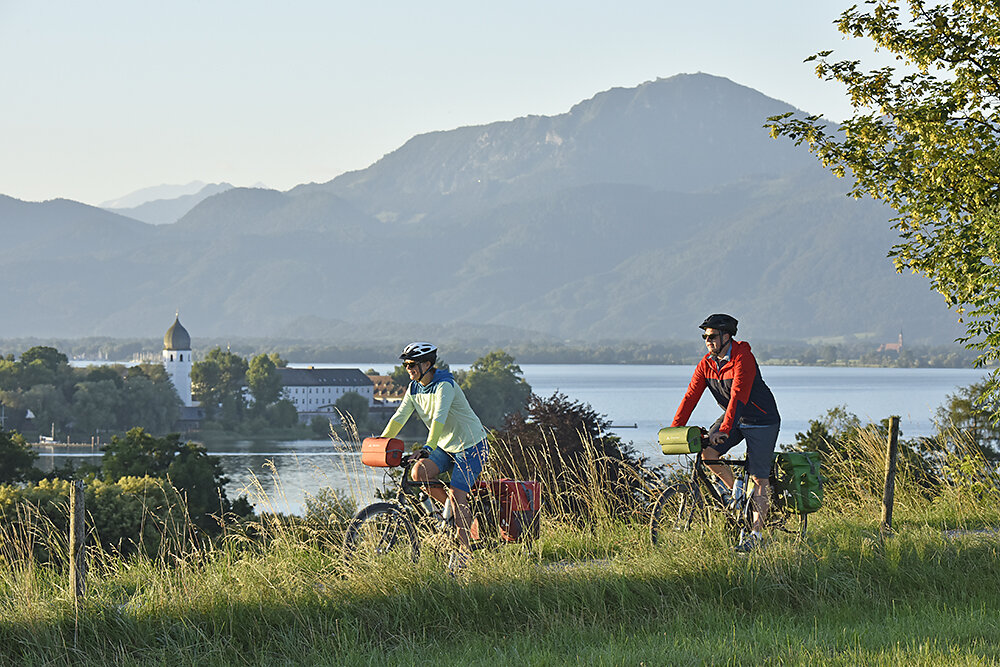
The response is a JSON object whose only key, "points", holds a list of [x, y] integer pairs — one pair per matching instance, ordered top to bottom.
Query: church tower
{"points": [[177, 360]]}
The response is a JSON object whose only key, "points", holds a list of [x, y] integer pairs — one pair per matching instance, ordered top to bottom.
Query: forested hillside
{"points": [[628, 217]]}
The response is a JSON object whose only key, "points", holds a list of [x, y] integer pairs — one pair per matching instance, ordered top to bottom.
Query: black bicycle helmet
{"points": [[720, 322], [419, 352]]}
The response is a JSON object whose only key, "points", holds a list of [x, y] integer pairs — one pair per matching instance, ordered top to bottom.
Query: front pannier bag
{"points": [[680, 439], [382, 452]]}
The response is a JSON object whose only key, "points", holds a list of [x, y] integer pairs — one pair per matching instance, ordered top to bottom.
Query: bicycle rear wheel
{"points": [[674, 510], [792, 523], [380, 530]]}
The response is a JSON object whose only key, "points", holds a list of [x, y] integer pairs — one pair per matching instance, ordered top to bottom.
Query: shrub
{"points": [[567, 445], [133, 514]]}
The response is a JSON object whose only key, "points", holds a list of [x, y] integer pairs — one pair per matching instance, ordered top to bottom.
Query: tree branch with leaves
{"points": [[925, 139]]}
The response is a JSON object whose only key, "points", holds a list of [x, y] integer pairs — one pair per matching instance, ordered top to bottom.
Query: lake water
{"points": [[639, 400]]}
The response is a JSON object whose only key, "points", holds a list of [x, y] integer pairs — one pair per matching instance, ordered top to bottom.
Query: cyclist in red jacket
{"points": [[730, 372]]}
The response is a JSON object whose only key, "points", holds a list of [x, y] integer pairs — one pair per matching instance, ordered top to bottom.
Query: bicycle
{"points": [[700, 498], [407, 516]]}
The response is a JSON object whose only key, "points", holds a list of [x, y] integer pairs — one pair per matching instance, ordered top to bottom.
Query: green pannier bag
{"points": [[680, 439], [798, 484]]}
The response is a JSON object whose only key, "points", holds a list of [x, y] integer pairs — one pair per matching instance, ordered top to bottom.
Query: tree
{"points": [[925, 139], [49, 357], [45, 365], [399, 377], [218, 381], [263, 381], [495, 387], [151, 404], [354, 405], [50, 407], [95, 407], [283, 414], [966, 415], [569, 447], [853, 452], [138, 454], [17, 459], [188, 466]]}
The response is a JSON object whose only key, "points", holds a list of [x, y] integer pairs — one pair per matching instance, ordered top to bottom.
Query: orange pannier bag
{"points": [[382, 452]]}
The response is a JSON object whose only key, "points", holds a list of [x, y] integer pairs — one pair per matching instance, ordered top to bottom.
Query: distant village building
{"points": [[896, 347], [315, 391], [386, 391]]}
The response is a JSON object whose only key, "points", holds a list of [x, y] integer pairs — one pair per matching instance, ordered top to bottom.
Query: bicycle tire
{"points": [[673, 510], [779, 518], [739, 521], [793, 523], [378, 530]]}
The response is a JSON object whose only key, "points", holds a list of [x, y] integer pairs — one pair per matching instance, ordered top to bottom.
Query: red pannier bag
{"points": [[382, 452], [509, 507]]}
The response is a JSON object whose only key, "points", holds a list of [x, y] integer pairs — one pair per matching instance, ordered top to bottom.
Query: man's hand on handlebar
{"points": [[717, 438]]}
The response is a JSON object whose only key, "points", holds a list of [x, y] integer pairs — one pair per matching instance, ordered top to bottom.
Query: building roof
{"points": [[177, 337], [323, 377], [385, 388]]}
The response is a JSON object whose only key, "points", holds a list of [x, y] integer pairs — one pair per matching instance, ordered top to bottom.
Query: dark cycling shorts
{"points": [[761, 441], [464, 466]]}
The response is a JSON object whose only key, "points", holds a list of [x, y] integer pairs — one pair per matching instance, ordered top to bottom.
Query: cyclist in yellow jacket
{"points": [[456, 438]]}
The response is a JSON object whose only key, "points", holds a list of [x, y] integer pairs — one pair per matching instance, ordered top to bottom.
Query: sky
{"points": [[104, 98]]}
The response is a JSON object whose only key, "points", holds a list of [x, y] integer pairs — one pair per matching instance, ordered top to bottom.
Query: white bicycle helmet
{"points": [[419, 351]]}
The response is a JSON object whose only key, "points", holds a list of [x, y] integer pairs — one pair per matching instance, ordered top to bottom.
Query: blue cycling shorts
{"points": [[464, 466]]}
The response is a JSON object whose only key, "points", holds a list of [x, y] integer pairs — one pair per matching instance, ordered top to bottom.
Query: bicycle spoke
{"points": [[673, 511], [378, 530]]}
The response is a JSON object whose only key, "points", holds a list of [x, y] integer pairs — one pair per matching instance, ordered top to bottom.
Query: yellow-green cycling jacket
{"points": [[444, 410]]}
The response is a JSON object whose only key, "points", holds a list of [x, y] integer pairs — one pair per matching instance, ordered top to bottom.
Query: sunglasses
{"points": [[711, 336], [410, 364]]}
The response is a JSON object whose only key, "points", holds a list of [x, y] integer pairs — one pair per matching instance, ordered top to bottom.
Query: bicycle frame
{"points": [[412, 494], [678, 504]]}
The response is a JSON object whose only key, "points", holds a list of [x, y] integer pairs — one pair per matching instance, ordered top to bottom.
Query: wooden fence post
{"points": [[890, 474], [77, 541]]}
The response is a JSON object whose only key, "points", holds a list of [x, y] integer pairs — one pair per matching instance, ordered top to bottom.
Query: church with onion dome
{"points": [[177, 361], [313, 391]]}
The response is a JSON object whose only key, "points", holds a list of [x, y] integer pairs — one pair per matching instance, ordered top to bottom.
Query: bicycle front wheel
{"points": [[673, 511], [380, 530]]}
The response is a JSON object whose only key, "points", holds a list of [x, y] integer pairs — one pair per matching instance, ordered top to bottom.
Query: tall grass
{"points": [[277, 591]]}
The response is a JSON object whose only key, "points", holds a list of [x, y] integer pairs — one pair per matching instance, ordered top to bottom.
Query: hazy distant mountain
{"points": [[153, 193], [167, 210], [631, 216]]}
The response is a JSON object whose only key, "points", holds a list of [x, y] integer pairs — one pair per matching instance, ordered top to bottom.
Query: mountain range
{"points": [[147, 205], [629, 217]]}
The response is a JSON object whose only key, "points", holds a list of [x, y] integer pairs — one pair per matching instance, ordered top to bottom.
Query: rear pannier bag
{"points": [[680, 439], [382, 452], [798, 484], [508, 508]]}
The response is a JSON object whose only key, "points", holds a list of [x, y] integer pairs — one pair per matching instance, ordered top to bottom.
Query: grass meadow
{"points": [[589, 592]]}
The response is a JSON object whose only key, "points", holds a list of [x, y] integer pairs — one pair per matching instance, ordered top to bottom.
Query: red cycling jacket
{"points": [[738, 388]]}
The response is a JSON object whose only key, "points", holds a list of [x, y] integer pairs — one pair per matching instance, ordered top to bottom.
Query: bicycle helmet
{"points": [[720, 322], [418, 351]]}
